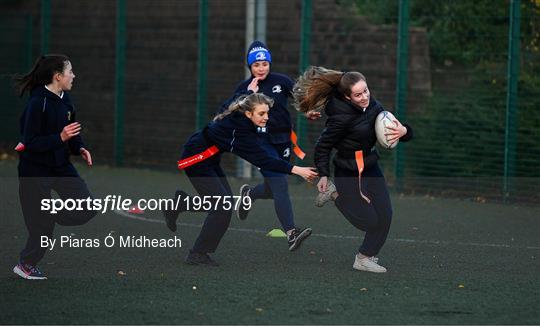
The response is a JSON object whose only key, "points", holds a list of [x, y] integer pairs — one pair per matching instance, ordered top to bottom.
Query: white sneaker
{"points": [[327, 196], [368, 264]]}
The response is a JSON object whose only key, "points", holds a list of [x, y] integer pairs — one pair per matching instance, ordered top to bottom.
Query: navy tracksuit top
{"points": [[278, 87], [41, 123], [234, 133]]}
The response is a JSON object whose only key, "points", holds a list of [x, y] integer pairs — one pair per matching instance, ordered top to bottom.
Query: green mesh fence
{"points": [[15, 57], [456, 91], [459, 124]]}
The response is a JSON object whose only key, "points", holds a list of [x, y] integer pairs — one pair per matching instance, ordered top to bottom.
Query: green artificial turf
{"points": [[449, 262]]}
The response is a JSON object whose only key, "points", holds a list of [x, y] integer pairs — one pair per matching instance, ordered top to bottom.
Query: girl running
{"points": [[235, 131], [50, 134], [275, 139], [362, 196]]}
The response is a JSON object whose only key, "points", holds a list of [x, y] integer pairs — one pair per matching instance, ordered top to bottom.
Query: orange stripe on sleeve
{"points": [[299, 153]]}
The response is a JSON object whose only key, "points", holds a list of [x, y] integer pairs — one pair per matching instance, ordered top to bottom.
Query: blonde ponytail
{"points": [[245, 103]]}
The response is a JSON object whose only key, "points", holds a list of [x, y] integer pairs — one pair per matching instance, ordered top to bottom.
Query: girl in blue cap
{"points": [[233, 131], [275, 139]]}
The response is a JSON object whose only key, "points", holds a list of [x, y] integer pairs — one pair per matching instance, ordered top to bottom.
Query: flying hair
{"points": [[314, 88]]}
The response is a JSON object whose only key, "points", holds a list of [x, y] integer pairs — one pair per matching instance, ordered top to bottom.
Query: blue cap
{"points": [[258, 52]]}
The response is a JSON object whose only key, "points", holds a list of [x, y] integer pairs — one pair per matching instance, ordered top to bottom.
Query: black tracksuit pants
{"points": [[209, 180], [36, 183], [374, 218]]}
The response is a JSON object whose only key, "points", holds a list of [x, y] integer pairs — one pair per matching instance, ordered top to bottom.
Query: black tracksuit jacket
{"points": [[278, 87], [349, 129], [234, 133]]}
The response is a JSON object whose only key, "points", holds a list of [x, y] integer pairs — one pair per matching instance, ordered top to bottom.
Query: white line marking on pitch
{"points": [[403, 240]]}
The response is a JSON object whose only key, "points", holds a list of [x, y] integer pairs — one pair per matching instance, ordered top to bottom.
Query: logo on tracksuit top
{"points": [[260, 56], [276, 89], [287, 152]]}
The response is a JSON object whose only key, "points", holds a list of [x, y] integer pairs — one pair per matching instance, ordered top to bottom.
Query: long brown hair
{"points": [[41, 73], [313, 89], [246, 103]]}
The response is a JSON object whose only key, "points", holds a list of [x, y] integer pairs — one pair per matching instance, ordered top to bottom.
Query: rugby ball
{"points": [[384, 120]]}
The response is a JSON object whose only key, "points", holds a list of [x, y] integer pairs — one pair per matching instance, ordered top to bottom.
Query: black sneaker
{"points": [[241, 212], [171, 214], [297, 237], [194, 258], [27, 271]]}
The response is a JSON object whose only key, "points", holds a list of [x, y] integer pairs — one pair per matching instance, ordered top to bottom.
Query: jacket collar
{"points": [[41, 91]]}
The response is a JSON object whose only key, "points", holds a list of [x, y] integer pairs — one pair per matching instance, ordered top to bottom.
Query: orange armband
{"points": [[184, 163]]}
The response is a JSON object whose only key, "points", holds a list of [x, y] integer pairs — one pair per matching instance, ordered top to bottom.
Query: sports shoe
{"points": [[329, 195], [242, 213], [171, 214], [297, 237], [195, 258], [368, 264], [27, 271]]}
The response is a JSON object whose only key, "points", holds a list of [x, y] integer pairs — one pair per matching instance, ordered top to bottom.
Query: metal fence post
{"points": [[45, 25], [29, 37], [305, 45], [202, 64], [119, 81], [401, 82], [511, 96]]}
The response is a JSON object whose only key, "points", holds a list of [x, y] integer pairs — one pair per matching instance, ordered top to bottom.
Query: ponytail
{"points": [[42, 72], [317, 85], [245, 103]]}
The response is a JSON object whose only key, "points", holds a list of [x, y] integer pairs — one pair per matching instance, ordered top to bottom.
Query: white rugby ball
{"points": [[384, 120]]}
